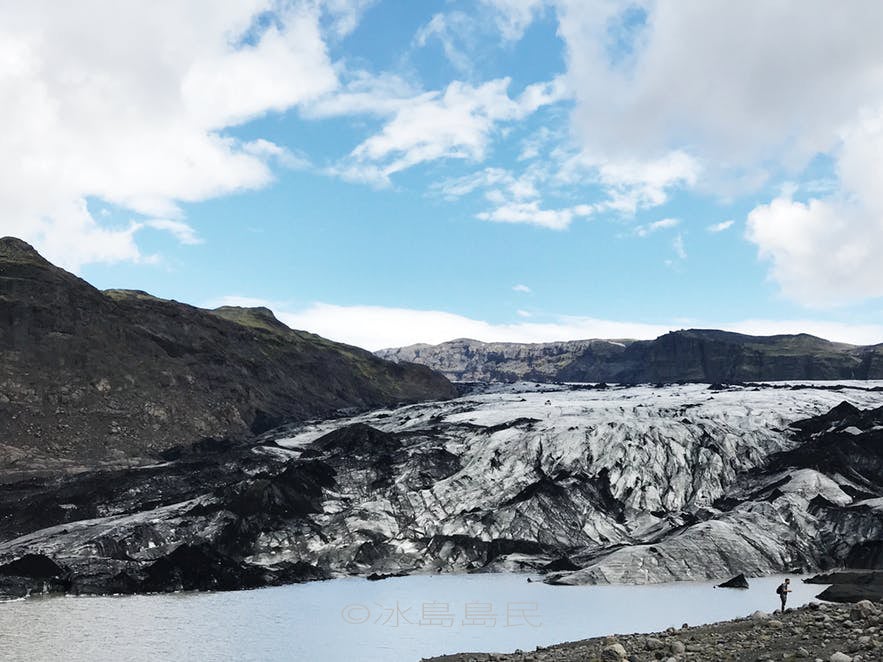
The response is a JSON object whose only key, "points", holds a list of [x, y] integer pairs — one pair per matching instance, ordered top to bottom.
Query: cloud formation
{"points": [[746, 92], [713, 97], [94, 109], [456, 123], [655, 226], [720, 227], [826, 251]]}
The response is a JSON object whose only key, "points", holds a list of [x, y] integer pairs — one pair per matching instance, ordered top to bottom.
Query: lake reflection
{"points": [[402, 618]]}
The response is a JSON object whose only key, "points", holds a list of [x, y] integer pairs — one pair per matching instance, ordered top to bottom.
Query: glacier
{"points": [[585, 483]]}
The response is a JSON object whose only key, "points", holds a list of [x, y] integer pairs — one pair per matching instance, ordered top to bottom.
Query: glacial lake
{"points": [[402, 618]]}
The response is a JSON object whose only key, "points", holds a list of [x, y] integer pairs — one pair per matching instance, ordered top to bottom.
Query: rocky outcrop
{"points": [[697, 355], [465, 360], [90, 377], [634, 485], [739, 581], [850, 585]]}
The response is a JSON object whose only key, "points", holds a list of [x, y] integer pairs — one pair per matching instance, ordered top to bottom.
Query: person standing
{"points": [[783, 590]]}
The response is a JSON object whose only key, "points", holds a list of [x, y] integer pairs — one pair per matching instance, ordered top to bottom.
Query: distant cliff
{"points": [[692, 355], [88, 377]]}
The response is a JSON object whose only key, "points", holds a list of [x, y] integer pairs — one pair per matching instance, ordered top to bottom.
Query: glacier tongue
{"points": [[580, 470], [587, 483]]}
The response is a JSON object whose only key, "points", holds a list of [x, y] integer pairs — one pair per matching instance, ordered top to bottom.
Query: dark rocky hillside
{"points": [[698, 355], [89, 377]]}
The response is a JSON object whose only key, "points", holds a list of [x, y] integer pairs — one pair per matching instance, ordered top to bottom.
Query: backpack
{"points": [[780, 589]]}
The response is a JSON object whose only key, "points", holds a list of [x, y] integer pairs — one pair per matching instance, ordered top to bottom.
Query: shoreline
{"points": [[840, 585], [817, 631]]}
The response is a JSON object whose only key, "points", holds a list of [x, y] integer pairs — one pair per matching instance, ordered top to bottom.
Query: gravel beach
{"points": [[819, 631]]}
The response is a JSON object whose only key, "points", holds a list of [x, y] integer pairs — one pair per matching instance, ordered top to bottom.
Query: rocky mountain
{"points": [[699, 355], [466, 360], [90, 377], [587, 484]]}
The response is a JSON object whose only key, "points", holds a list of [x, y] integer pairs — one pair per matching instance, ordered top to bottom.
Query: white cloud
{"points": [[345, 14], [514, 16], [455, 32], [287, 66], [738, 82], [363, 93], [752, 93], [96, 109], [455, 124], [535, 144], [266, 150], [631, 184], [637, 184], [517, 187], [516, 198], [532, 213], [663, 224], [720, 227], [68, 230], [183, 232], [679, 248], [826, 251], [521, 288], [523, 313], [375, 327], [378, 327]]}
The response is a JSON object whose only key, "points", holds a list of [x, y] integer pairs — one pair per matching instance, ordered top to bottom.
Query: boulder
{"points": [[738, 581], [863, 609], [677, 647], [614, 653]]}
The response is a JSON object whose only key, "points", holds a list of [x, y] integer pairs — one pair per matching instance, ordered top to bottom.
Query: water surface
{"points": [[403, 618]]}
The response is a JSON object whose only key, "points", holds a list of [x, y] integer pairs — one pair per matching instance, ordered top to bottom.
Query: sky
{"points": [[390, 172]]}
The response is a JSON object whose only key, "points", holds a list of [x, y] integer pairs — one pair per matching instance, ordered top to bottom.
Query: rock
{"points": [[378, 576], [739, 581], [852, 592], [863, 609], [759, 615], [652, 644], [677, 647], [614, 652], [839, 657]]}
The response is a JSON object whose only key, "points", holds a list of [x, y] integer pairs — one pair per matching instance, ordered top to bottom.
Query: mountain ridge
{"points": [[699, 355], [90, 377]]}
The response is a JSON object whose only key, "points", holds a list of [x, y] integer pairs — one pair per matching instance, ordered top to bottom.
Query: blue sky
{"points": [[392, 172]]}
